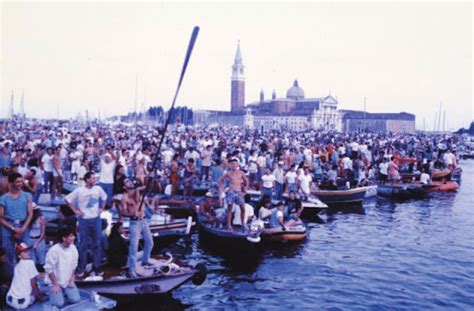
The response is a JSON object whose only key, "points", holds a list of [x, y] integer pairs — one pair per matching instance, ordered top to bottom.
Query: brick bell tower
{"points": [[237, 96]]}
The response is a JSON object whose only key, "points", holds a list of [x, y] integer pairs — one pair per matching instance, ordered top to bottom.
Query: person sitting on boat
{"points": [[425, 178], [238, 184], [208, 205], [294, 207], [265, 210], [249, 212], [277, 218], [138, 226], [117, 252], [60, 265], [24, 288]]}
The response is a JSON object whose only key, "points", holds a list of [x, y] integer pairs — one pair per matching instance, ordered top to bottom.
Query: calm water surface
{"points": [[401, 255]]}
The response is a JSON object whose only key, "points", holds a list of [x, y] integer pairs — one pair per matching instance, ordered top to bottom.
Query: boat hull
{"points": [[332, 197]]}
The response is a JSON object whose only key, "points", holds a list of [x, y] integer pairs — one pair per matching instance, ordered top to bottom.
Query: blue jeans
{"points": [[48, 181], [291, 187], [108, 188], [279, 190], [267, 191], [137, 227], [89, 234], [9, 242], [39, 253], [71, 294]]}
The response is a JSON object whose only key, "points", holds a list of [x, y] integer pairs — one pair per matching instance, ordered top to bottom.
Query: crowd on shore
{"points": [[111, 164]]}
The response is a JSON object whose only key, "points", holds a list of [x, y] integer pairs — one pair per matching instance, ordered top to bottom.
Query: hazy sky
{"points": [[86, 55]]}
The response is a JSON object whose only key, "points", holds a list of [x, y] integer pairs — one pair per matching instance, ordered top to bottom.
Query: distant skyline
{"points": [[402, 57]]}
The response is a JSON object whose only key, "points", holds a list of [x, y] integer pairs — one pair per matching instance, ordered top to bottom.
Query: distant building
{"points": [[295, 112], [357, 121]]}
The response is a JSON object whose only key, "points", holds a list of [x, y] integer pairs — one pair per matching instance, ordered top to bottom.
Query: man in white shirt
{"points": [[47, 167], [383, 170], [106, 178], [290, 178], [305, 181], [268, 182], [89, 201], [249, 212], [60, 264], [24, 288]]}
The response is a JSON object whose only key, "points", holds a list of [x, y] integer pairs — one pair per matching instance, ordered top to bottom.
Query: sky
{"points": [[69, 57]]}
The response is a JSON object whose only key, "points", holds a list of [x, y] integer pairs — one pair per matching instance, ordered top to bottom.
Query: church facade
{"points": [[294, 112]]}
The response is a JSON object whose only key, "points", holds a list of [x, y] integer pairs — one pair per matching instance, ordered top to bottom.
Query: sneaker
{"points": [[98, 272]]}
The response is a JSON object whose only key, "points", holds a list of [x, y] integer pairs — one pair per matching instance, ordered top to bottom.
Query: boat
{"points": [[438, 174], [441, 186], [371, 191], [401, 191], [331, 197], [178, 206], [293, 232], [235, 240], [162, 276], [89, 301]]}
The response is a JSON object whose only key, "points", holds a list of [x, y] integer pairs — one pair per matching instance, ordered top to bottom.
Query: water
{"points": [[405, 255]]}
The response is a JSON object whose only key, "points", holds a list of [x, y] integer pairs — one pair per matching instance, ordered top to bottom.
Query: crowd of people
{"points": [[112, 164]]}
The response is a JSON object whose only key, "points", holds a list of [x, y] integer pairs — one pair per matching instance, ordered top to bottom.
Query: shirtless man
{"points": [[238, 184], [138, 225]]}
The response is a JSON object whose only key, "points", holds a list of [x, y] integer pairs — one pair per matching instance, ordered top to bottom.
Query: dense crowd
{"points": [[112, 164]]}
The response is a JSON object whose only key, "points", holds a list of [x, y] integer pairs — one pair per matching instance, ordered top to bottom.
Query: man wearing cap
{"points": [[90, 201], [16, 212], [60, 265], [24, 288]]}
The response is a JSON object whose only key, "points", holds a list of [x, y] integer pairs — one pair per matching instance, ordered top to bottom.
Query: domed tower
{"points": [[295, 92], [237, 96]]}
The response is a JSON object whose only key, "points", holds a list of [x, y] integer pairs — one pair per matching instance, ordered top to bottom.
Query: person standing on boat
{"points": [[383, 170], [393, 173], [57, 174], [106, 179], [268, 183], [238, 184], [90, 201], [16, 212], [138, 226], [60, 265]]}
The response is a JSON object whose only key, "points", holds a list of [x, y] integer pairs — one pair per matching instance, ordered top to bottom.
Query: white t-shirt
{"points": [[167, 156], [47, 161], [383, 168], [107, 172], [291, 177], [424, 178], [268, 180], [305, 181], [87, 200], [249, 213], [62, 261], [24, 271]]}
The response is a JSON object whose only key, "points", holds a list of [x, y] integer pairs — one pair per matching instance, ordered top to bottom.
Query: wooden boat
{"points": [[438, 174], [441, 186], [199, 189], [371, 191], [401, 191], [354, 195], [178, 206], [294, 232], [236, 240], [162, 276], [89, 301]]}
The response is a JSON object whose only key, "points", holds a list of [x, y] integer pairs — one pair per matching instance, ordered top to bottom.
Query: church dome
{"points": [[295, 92]]}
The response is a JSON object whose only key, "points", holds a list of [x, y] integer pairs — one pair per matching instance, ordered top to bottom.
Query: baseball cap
{"points": [[21, 248]]}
